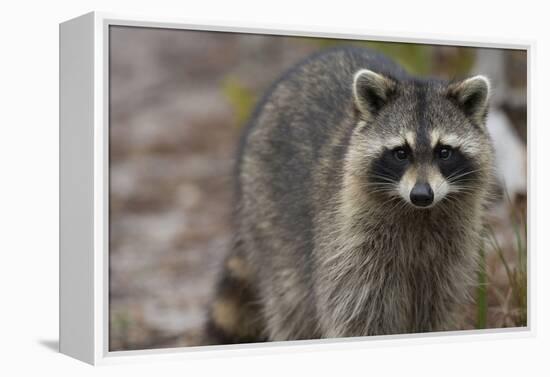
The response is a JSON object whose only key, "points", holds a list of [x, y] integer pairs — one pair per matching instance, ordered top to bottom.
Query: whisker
{"points": [[453, 178]]}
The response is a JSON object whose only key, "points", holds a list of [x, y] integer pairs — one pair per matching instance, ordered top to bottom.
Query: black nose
{"points": [[422, 195]]}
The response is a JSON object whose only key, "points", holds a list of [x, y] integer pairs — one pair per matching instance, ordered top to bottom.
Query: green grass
{"points": [[240, 98], [482, 290], [513, 296]]}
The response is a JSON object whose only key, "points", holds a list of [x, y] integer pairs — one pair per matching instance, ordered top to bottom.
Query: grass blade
{"points": [[482, 290]]}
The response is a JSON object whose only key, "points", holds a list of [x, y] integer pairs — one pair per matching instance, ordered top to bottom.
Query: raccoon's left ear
{"points": [[371, 91], [472, 95]]}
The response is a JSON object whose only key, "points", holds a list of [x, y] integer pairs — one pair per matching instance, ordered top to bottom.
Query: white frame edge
{"points": [[84, 188], [76, 190]]}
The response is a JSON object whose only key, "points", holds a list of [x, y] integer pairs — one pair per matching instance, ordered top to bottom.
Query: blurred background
{"points": [[178, 101]]}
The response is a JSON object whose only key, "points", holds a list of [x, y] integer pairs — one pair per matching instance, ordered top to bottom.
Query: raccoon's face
{"points": [[421, 141]]}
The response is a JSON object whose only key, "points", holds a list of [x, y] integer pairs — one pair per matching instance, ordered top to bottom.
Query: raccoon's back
{"points": [[303, 107], [291, 151]]}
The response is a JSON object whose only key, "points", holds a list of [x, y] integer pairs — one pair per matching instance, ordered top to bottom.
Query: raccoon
{"points": [[360, 196]]}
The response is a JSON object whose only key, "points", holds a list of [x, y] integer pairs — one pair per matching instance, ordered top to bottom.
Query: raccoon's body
{"points": [[359, 201]]}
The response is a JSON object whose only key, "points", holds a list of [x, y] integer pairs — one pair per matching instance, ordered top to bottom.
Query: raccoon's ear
{"points": [[371, 91], [472, 95]]}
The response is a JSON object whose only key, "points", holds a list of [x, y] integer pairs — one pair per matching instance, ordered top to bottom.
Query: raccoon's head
{"points": [[420, 141]]}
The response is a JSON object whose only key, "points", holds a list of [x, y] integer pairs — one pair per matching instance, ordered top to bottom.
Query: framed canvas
{"points": [[249, 189]]}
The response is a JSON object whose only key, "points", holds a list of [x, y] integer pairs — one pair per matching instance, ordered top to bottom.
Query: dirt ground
{"points": [[177, 101]]}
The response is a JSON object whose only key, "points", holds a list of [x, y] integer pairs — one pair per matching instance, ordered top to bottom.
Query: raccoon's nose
{"points": [[422, 195]]}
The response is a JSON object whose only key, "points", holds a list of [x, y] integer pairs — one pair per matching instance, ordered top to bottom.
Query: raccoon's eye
{"points": [[445, 153], [400, 154]]}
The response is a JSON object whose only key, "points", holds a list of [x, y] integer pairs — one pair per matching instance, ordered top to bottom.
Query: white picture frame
{"points": [[84, 166]]}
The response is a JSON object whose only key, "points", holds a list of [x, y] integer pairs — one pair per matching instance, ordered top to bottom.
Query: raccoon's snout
{"points": [[422, 195]]}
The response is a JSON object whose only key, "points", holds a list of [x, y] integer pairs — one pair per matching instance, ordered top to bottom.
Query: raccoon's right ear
{"points": [[371, 91]]}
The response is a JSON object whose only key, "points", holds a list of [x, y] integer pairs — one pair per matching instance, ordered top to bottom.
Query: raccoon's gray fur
{"points": [[360, 193]]}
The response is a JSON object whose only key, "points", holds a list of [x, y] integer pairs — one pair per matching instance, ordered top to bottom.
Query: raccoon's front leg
{"points": [[357, 296], [385, 301], [368, 311]]}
